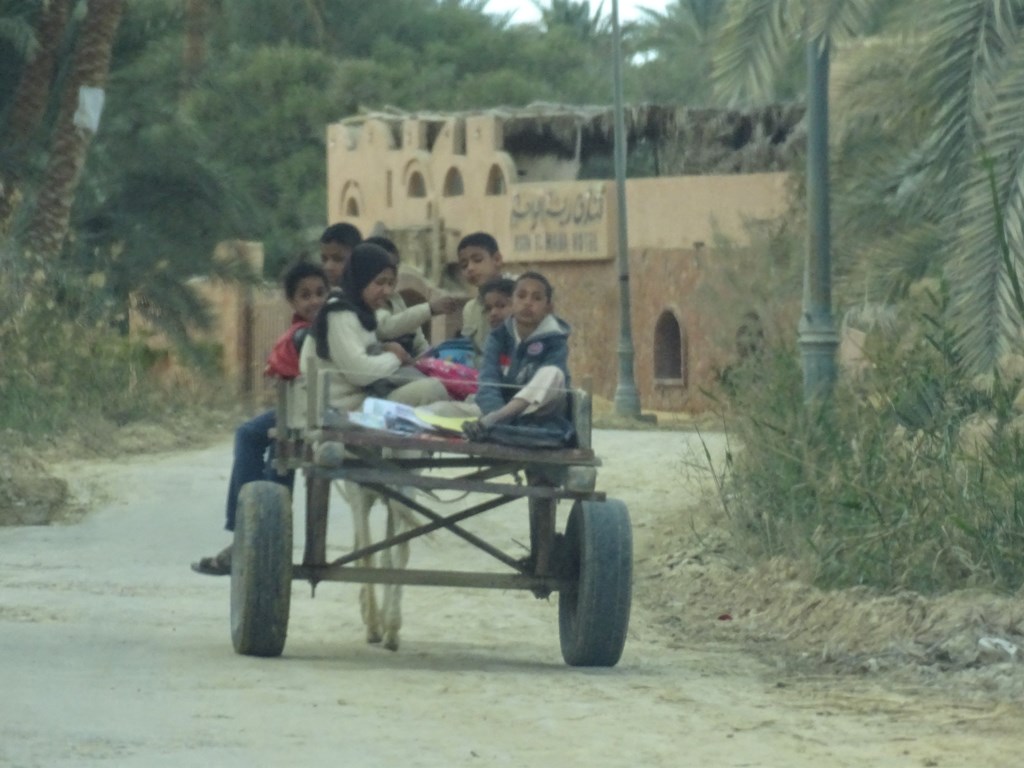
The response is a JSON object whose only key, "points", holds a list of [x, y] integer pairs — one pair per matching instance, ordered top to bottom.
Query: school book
{"points": [[399, 418]]}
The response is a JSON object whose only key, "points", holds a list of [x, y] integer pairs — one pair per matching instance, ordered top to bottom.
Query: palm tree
{"points": [[574, 16], [693, 21], [760, 34], [756, 39], [682, 41], [194, 54], [91, 63], [28, 103], [974, 148], [945, 187], [942, 197]]}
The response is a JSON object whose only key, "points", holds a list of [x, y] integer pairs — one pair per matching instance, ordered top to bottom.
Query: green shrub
{"points": [[62, 374], [908, 477]]}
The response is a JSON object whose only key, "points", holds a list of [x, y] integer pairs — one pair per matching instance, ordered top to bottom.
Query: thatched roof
{"points": [[688, 140]]}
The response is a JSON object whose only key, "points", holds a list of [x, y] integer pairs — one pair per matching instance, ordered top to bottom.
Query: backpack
{"points": [[458, 350], [460, 381], [528, 432]]}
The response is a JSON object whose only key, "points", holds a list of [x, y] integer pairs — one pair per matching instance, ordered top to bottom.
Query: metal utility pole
{"points": [[817, 335], [627, 402]]}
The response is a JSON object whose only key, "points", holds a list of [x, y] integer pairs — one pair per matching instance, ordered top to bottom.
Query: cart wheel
{"points": [[261, 569], [593, 611]]}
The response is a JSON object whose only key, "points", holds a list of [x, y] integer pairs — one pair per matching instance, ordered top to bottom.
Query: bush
{"points": [[62, 374], [908, 477]]}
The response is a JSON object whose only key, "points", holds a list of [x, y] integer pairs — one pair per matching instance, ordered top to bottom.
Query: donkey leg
{"points": [[361, 502], [394, 557]]}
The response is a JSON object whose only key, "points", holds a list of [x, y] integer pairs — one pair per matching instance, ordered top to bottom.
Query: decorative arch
{"points": [[496, 181], [416, 185], [453, 186], [351, 199], [670, 349]]}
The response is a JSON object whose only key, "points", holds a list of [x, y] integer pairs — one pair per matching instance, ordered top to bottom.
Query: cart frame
{"points": [[589, 563]]}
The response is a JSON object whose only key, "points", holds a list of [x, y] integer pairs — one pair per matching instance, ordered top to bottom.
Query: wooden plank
{"points": [[582, 417], [354, 436], [398, 477], [318, 494], [437, 521], [413, 577]]}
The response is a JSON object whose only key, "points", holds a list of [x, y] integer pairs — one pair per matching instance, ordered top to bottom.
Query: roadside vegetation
{"points": [[909, 475]]}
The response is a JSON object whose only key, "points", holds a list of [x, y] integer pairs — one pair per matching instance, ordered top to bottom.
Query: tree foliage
{"points": [[215, 119], [927, 164]]}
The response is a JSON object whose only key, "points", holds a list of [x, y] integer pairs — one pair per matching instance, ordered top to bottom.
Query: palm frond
{"points": [[706, 15], [840, 20], [754, 42], [966, 56], [872, 90], [881, 243], [990, 243], [889, 263]]}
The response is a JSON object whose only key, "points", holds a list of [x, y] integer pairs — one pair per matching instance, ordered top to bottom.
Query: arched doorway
{"points": [[670, 352]]}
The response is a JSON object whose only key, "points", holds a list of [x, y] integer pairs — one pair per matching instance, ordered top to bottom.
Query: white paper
{"points": [[90, 107], [395, 417]]}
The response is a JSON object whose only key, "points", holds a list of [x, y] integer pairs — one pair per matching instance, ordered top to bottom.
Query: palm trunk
{"points": [[194, 55], [91, 63], [29, 101]]}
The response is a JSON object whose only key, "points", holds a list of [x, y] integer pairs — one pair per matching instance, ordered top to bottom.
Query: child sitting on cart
{"points": [[481, 261], [305, 288], [399, 322], [344, 336], [525, 377]]}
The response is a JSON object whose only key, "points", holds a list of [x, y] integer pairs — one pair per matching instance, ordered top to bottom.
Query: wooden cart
{"points": [[589, 563]]}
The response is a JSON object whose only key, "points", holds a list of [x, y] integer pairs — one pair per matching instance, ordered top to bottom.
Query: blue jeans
{"points": [[254, 460]]}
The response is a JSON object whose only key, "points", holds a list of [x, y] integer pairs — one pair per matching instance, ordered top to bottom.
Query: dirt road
{"points": [[112, 652]]}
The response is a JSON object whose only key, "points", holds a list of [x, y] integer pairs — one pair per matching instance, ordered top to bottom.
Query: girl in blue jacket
{"points": [[525, 367]]}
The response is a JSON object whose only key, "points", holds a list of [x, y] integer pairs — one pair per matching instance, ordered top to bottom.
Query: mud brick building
{"points": [[528, 177]]}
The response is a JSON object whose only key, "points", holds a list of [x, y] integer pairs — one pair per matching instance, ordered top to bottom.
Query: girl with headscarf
{"points": [[344, 336]]}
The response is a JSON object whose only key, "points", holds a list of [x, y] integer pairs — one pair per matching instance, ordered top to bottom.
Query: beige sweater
{"points": [[399, 319], [352, 368]]}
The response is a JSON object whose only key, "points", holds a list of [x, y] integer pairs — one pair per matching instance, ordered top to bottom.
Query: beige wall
{"points": [[389, 176], [246, 321]]}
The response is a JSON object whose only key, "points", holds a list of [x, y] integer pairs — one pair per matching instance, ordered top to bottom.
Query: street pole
{"points": [[818, 340], [627, 402]]}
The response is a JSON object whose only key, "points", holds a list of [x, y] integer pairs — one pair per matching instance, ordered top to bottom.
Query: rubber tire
{"points": [[261, 569], [593, 611]]}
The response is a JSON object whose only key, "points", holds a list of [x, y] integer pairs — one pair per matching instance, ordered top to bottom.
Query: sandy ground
{"points": [[112, 652]]}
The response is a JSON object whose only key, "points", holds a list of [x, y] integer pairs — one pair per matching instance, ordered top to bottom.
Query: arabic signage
{"points": [[560, 221]]}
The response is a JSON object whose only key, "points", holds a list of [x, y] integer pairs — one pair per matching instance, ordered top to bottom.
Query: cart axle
{"points": [[421, 578]]}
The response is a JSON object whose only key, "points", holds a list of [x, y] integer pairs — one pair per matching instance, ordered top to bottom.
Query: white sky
{"points": [[525, 11]]}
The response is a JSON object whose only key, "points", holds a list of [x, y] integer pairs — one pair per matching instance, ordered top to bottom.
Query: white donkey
{"points": [[383, 622]]}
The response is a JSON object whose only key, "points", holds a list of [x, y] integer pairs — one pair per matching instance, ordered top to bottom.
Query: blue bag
{"points": [[458, 350]]}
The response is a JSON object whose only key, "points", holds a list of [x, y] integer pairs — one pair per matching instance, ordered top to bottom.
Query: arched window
{"points": [[495, 181], [453, 183], [417, 186], [352, 207], [669, 349]]}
